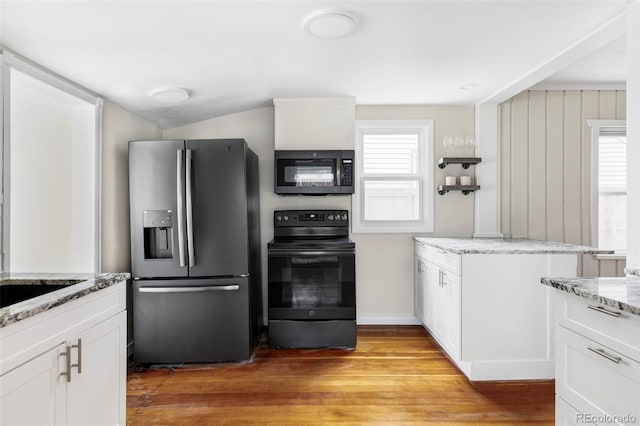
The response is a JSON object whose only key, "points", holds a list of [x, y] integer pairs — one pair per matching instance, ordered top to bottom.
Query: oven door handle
{"points": [[299, 253]]}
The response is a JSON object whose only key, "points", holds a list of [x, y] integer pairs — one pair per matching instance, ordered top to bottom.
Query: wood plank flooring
{"points": [[396, 375]]}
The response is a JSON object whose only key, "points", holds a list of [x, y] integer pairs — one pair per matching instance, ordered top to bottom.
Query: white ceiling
{"points": [[238, 55]]}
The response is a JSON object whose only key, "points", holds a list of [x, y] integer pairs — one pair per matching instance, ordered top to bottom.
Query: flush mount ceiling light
{"points": [[330, 23], [169, 95]]}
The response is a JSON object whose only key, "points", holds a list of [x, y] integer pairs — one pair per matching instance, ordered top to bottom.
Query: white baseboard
{"points": [[390, 320]]}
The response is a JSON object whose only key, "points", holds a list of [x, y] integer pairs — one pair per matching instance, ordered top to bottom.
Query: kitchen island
{"points": [[482, 301], [597, 324], [63, 352]]}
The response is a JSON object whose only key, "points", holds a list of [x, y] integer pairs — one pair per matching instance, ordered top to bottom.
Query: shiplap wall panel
{"points": [[607, 105], [621, 105], [590, 109], [520, 165], [546, 165], [555, 166], [572, 168], [505, 169], [537, 216]]}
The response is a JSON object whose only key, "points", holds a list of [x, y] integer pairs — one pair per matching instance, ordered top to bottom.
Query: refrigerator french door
{"points": [[194, 250]]}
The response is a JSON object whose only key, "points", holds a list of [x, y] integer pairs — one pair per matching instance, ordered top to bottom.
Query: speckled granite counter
{"points": [[505, 246], [88, 283], [620, 293]]}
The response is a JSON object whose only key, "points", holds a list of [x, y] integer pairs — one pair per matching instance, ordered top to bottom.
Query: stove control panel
{"points": [[310, 218]]}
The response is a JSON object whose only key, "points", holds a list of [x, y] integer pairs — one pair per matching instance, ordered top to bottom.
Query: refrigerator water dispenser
{"points": [[157, 234]]}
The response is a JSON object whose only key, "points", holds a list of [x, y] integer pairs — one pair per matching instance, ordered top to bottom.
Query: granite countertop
{"points": [[505, 246], [76, 286], [622, 293]]}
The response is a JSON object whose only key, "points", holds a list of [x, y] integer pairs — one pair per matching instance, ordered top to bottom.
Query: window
{"points": [[394, 176], [609, 185]]}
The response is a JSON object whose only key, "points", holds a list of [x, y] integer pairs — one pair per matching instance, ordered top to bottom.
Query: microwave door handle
{"points": [[189, 196], [180, 200]]}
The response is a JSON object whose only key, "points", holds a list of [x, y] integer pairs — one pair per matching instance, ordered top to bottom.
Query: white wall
{"points": [[118, 128], [52, 225], [384, 263]]}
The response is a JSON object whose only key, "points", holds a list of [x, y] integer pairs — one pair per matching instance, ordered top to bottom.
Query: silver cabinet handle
{"points": [[180, 200], [192, 256], [439, 277], [444, 278], [232, 287], [605, 311], [78, 346], [66, 354], [603, 354]]}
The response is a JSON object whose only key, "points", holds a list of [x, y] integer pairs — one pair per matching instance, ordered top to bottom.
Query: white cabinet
{"points": [[420, 289], [438, 296], [488, 311], [597, 362], [67, 365], [34, 394]]}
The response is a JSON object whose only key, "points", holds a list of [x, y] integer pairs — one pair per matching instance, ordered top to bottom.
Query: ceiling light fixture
{"points": [[330, 23], [469, 86], [169, 95]]}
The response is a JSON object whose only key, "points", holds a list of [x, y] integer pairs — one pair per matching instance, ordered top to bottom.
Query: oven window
{"points": [[321, 172], [323, 281]]}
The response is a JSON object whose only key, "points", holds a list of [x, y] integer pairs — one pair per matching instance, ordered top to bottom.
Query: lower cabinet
{"points": [[489, 311], [597, 373], [78, 381]]}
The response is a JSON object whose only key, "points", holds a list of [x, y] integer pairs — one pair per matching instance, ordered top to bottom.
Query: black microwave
{"points": [[310, 172]]}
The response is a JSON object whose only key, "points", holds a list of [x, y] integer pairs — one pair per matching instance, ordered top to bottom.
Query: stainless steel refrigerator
{"points": [[195, 250]]}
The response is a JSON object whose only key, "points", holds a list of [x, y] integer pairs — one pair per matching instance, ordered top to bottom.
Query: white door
{"points": [[34, 393], [96, 393]]}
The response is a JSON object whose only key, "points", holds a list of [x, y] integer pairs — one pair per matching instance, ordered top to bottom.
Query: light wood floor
{"points": [[397, 375]]}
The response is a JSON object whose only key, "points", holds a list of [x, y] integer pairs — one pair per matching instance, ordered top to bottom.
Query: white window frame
{"points": [[596, 125], [424, 176]]}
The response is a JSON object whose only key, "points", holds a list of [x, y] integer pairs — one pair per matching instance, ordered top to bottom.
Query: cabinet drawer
{"points": [[442, 258], [614, 328], [597, 380], [566, 415]]}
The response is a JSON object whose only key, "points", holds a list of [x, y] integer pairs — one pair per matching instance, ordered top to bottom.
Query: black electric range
{"points": [[311, 293]]}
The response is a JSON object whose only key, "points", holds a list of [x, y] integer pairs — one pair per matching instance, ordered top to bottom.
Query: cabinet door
{"points": [[419, 289], [437, 295], [451, 302], [96, 392], [34, 393]]}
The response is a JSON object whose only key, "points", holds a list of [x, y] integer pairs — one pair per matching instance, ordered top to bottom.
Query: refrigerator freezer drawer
{"points": [[178, 321]]}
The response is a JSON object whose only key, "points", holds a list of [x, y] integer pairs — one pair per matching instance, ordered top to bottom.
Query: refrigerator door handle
{"points": [[180, 198], [190, 249], [232, 287]]}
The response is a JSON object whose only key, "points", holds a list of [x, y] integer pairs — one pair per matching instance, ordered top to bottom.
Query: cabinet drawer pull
{"points": [[605, 311], [66, 354], [603, 354], [79, 363]]}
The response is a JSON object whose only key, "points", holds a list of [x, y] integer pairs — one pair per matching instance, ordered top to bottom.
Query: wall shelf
{"points": [[465, 161], [466, 189]]}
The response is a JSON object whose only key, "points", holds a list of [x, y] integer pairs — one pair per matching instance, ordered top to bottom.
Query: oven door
{"points": [[312, 285]]}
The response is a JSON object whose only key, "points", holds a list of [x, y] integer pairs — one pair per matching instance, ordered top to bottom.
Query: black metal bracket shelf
{"points": [[465, 161], [466, 189]]}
